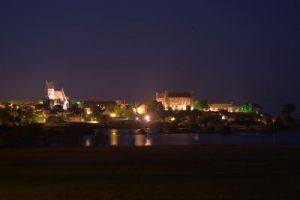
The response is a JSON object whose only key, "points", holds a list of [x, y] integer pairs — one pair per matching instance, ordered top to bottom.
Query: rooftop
{"points": [[174, 94]]}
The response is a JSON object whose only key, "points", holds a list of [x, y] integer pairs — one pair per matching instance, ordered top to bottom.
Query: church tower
{"points": [[49, 90], [55, 98]]}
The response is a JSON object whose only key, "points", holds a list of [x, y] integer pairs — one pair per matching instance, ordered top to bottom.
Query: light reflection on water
{"points": [[115, 137], [142, 140], [87, 142]]}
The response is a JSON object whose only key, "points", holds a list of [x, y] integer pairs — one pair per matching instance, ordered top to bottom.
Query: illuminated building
{"points": [[54, 97], [175, 100], [229, 107], [140, 109]]}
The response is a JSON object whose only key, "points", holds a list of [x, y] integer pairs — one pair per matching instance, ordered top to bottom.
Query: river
{"points": [[123, 137]]}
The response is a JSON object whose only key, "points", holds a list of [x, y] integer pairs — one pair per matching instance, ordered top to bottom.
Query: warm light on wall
{"points": [[177, 102], [141, 110], [113, 115]]}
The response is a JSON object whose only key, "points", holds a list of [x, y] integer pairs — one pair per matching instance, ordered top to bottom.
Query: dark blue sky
{"points": [[233, 50]]}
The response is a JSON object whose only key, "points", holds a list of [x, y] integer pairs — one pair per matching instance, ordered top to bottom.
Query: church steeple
{"points": [[55, 98]]}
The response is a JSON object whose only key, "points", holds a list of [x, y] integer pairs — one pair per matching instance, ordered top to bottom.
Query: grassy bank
{"points": [[202, 172]]}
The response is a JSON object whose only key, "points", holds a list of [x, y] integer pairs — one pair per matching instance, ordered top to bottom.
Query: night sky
{"points": [[225, 51]]}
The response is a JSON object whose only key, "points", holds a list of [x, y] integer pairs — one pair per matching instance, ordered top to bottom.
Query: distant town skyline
{"points": [[233, 51]]}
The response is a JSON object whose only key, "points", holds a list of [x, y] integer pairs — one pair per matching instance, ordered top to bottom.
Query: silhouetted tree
{"points": [[155, 107], [257, 108], [288, 108], [76, 109], [124, 111], [286, 115], [8, 116]]}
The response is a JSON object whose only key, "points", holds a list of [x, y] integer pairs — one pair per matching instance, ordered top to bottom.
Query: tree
{"points": [[200, 105], [155, 107], [247, 108], [288, 108], [76, 109], [124, 111], [286, 115], [25, 116], [6, 117]]}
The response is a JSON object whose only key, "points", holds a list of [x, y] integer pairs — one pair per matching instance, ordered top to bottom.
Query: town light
{"points": [[88, 111], [113, 115], [147, 118], [173, 119], [93, 122]]}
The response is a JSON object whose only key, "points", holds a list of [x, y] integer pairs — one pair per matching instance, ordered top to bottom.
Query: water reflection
{"points": [[114, 137], [129, 137], [139, 140], [142, 140], [148, 141], [87, 142]]}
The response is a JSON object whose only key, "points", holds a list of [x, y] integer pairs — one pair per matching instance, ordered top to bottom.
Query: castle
{"points": [[55, 98], [175, 100]]}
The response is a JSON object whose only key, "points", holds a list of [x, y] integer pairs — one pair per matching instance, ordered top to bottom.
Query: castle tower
{"points": [[49, 90]]}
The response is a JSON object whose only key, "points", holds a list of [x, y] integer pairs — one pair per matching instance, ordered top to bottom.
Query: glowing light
{"points": [[247, 108], [141, 109], [88, 111], [113, 115], [147, 118], [173, 119], [93, 122], [148, 142], [87, 143]]}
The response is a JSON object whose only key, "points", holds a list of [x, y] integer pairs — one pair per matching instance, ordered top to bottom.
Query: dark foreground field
{"points": [[202, 172]]}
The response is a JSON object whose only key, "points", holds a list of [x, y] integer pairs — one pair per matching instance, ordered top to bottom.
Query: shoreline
{"points": [[158, 129]]}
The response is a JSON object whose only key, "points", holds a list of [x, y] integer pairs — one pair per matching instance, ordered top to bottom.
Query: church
{"points": [[54, 98]]}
